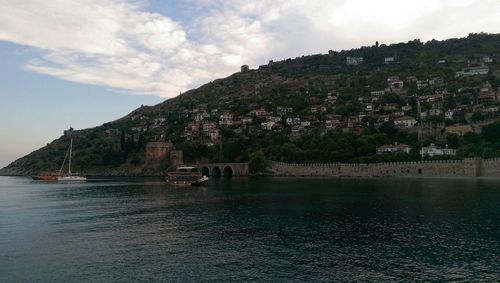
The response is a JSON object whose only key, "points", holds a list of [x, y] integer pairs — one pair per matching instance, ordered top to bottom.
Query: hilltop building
{"points": [[354, 61], [245, 68]]}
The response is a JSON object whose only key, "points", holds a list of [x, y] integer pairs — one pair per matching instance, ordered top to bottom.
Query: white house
{"points": [[354, 61], [472, 71], [293, 121], [405, 122], [268, 126], [432, 151]]}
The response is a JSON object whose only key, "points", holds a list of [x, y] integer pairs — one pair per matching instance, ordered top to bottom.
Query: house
{"points": [[487, 59], [389, 60], [354, 61], [442, 61], [472, 71], [411, 79], [437, 81], [422, 84], [377, 93], [486, 94], [332, 97], [368, 107], [390, 107], [406, 108], [317, 109], [281, 110], [490, 110], [435, 111], [258, 112], [398, 113], [448, 114], [423, 115], [200, 116], [138, 117], [226, 118], [274, 119], [383, 119], [246, 120], [159, 121], [293, 121], [405, 122], [305, 124], [330, 125], [268, 126], [207, 127], [139, 129], [192, 130], [295, 130], [112, 133], [213, 134], [396, 148], [432, 151]]}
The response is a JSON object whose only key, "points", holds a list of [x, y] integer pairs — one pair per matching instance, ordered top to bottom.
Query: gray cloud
{"points": [[117, 44]]}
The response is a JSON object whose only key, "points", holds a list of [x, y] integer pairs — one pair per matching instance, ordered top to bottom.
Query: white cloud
{"points": [[118, 44]]}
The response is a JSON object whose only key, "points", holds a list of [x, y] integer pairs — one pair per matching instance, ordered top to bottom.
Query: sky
{"points": [[83, 63]]}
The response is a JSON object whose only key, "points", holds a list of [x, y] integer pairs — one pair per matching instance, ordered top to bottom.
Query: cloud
{"points": [[123, 45]]}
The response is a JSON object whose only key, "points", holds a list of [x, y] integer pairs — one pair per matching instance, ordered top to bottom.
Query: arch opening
{"points": [[205, 171], [216, 172], [228, 172]]}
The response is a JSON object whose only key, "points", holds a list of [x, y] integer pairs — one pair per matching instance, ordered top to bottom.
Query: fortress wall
{"points": [[491, 167], [433, 168]]}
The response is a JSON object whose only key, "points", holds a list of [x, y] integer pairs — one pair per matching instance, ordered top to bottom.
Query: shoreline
{"points": [[298, 177]]}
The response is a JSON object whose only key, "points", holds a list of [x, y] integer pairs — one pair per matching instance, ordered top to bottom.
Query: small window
{"points": [[419, 171]]}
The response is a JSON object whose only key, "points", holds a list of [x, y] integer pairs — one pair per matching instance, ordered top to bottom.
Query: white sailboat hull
{"points": [[71, 179]]}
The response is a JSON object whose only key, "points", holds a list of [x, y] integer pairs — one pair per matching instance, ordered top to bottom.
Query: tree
{"points": [[477, 116], [491, 132], [257, 161]]}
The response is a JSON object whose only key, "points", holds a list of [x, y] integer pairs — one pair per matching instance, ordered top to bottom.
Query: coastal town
{"points": [[424, 106]]}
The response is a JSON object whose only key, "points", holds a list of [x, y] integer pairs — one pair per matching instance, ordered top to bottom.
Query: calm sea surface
{"points": [[263, 229]]}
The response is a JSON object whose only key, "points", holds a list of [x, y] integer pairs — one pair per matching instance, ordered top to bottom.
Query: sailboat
{"points": [[70, 177]]}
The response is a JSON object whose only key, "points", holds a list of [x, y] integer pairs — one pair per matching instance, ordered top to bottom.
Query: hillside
{"points": [[380, 103]]}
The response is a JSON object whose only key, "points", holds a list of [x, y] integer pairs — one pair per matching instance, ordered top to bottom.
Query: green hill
{"points": [[335, 107]]}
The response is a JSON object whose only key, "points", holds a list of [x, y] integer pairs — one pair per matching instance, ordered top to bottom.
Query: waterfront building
{"points": [[396, 148], [433, 150]]}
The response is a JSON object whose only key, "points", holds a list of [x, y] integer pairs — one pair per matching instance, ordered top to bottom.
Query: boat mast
{"points": [[70, 151], [64, 161]]}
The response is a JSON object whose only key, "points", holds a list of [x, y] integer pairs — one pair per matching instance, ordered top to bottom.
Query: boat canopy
{"points": [[187, 169]]}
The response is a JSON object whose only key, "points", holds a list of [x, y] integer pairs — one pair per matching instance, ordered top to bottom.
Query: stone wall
{"points": [[157, 152], [470, 167], [491, 167], [224, 169]]}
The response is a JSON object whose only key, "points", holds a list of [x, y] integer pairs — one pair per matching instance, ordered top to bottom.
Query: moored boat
{"points": [[185, 176], [70, 177]]}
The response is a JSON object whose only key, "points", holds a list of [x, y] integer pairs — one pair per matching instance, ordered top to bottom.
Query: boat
{"points": [[46, 176], [185, 176], [70, 177]]}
